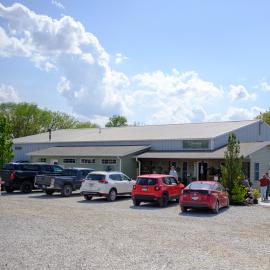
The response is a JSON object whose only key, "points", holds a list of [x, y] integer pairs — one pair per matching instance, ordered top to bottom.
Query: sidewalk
{"points": [[264, 203]]}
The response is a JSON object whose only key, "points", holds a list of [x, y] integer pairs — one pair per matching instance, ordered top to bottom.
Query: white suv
{"points": [[107, 184]]}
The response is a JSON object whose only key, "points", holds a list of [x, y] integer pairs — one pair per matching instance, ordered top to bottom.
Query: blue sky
{"points": [[153, 61]]}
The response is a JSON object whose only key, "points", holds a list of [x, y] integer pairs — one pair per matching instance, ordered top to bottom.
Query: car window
{"points": [[10, 166], [30, 167], [46, 168], [57, 169], [70, 172], [85, 172], [95, 177], [116, 177], [125, 178], [166, 180], [146, 181], [173, 181], [200, 185]]}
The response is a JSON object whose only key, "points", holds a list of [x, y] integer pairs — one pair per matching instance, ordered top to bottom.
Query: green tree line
{"points": [[27, 119]]}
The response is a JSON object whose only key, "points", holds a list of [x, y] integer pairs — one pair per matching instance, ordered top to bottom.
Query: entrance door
{"points": [[202, 170], [184, 174]]}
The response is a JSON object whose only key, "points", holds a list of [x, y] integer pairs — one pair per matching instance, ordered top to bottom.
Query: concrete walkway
{"points": [[264, 203]]}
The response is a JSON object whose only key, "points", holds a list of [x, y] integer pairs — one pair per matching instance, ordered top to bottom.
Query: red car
{"points": [[159, 188], [204, 194]]}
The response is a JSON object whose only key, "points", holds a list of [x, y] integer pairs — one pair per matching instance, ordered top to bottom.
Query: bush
{"points": [[238, 194]]}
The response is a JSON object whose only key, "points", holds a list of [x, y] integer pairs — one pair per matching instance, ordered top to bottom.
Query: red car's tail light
{"points": [[12, 175], [103, 181], [157, 188]]}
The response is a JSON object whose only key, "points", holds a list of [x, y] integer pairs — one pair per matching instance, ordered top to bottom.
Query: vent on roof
{"points": [[50, 134]]}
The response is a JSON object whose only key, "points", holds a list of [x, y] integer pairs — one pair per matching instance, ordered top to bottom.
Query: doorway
{"points": [[202, 169]]}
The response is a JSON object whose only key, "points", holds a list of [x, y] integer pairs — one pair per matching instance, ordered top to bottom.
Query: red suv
{"points": [[159, 188]]}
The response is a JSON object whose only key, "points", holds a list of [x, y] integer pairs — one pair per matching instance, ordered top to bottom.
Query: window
{"points": [[196, 144], [18, 148], [43, 160], [69, 160], [88, 161], [108, 161], [30, 167], [56, 169], [256, 171], [95, 177], [116, 177], [125, 178], [166, 180], [146, 181], [173, 181], [199, 185]]}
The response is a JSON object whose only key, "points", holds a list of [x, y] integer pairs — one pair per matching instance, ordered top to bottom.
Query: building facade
{"points": [[196, 150]]}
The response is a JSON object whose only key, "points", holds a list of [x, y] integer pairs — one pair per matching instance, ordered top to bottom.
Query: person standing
{"points": [[173, 172], [264, 181], [268, 186]]}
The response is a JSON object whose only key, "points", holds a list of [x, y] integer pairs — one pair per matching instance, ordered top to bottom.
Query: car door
{"points": [[117, 182], [127, 184], [167, 185], [174, 186], [220, 194], [224, 195]]}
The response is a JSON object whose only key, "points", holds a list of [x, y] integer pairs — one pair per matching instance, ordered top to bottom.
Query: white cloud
{"points": [[58, 4], [119, 58], [87, 81], [265, 86], [239, 92], [8, 94], [173, 98], [234, 113]]}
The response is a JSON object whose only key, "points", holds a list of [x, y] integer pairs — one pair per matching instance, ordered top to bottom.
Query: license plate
{"points": [[144, 189], [195, 198]]}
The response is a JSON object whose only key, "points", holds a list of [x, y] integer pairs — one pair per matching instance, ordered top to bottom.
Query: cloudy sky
{"points": [[154, 61]]}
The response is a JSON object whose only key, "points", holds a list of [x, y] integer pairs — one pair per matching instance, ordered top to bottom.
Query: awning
{"points": [[246, 149], [91, 151]]}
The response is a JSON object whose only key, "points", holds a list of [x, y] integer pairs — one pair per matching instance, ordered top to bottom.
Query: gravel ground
{"points": [[43, 232]]}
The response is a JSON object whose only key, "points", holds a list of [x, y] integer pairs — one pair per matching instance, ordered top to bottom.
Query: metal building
{"points": [[195, 149]]}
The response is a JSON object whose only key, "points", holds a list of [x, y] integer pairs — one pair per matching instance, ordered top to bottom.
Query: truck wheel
{"points": [[26, 187], [9, 189], [66, 191], [49, 192], [112, 195], [88, 197]]}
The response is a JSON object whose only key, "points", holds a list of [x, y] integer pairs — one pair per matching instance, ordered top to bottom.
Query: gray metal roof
{"points": [[139, 133], [245, 149], [92, 151]]}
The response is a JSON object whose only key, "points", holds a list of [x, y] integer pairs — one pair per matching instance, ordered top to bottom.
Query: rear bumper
{"points": [[97, 194], [145, 198], [196, 205]]}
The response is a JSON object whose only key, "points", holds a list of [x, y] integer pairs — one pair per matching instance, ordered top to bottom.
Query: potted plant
{"points": [[256, 195]]}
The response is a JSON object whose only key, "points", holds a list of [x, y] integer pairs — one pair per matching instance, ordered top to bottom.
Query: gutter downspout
{"points": [[139, 163], [120, 164]]}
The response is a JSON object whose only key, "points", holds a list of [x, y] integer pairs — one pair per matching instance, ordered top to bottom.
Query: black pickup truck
{"points": [[21, 176], [69, 181]]}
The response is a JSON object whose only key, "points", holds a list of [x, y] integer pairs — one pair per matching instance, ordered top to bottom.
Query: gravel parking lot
{"points": [[43, 232]]}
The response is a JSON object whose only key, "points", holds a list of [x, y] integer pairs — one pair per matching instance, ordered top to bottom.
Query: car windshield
{"points": [[95, 177], [147, 181], [200, 185]]}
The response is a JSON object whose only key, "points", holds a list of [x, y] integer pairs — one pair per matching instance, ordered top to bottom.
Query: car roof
{"points": [[79, 169], [106, 172], [154, 175]]}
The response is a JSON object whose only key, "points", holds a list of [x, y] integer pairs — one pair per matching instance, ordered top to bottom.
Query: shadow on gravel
{"points": [[19, 193], [52, 197], [104, 200], [152, 206], [207, 213]]}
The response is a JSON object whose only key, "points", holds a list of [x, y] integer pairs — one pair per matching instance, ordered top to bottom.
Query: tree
{"points": [[265, 117], [28, 119], [117, 121], [86, 125], [6, 152], [232, 172]]}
